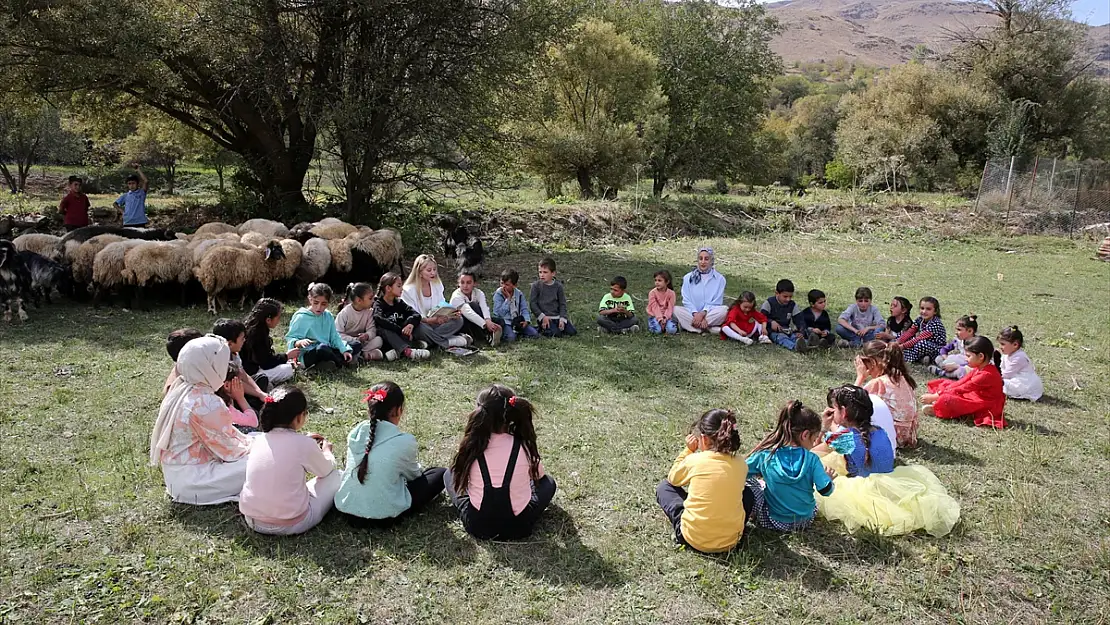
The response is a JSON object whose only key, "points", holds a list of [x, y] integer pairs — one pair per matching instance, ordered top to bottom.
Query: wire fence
{"points": [[1049, 196]]}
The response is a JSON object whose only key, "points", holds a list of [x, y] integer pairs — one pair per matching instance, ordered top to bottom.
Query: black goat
{"points": [[461, 246], [46, 275], [15, 280]]}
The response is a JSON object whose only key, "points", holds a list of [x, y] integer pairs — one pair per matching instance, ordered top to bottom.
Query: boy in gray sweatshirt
{"points": [[548, 302]]}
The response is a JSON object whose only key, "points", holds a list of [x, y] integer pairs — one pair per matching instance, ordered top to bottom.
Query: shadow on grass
{"points": [[1057, 402], [1037, 428], [932, 452], [555, 553]]}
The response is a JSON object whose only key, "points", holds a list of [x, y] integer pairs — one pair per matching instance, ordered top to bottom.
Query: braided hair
{"points": [[381, 400], [858, 410], [499, 411], [794, 420], [719, 425]]}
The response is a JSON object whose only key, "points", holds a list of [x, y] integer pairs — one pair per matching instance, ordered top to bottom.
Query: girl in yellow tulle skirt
{"points": [[889, 501]]}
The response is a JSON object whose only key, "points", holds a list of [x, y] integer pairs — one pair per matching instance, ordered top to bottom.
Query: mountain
{"points": [[886, 32]]}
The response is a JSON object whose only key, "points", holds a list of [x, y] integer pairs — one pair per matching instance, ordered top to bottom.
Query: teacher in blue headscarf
{"points": [[703, 295]]}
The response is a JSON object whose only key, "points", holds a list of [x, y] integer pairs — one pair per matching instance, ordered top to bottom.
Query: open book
{"points": [[443, 309]]}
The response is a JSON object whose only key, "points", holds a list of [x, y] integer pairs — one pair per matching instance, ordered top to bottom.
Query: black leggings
{"points": [[423, 490]]}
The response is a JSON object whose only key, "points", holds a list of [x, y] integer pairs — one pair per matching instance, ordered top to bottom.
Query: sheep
{"points": [[216, 227], [268, 227], [332, 228], [256, 239], [72, 240], [45, 245], [202, 247], [385, 247], [364, 257], [81, 258], [341, 259], [315, 262], [158, 263], [108, 267], [286, 267], [228, 268], [45, 275]]}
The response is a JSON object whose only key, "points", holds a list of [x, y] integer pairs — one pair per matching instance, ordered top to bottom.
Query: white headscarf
{"points": [[202, 364]]}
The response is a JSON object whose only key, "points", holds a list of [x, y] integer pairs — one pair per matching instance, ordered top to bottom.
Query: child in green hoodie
{"points": [[312, 329]]}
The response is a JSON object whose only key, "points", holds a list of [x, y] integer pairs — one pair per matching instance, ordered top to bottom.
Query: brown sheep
{"points": [[215, 228], [82, 255], [228, 268]]}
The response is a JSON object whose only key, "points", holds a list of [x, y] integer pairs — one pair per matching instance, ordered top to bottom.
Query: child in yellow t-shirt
{"points": [[703, 495]]}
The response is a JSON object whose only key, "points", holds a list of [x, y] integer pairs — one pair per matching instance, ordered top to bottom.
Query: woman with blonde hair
{"points": [[423, 291]]}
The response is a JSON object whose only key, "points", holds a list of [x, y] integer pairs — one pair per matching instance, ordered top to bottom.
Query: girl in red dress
{"points": [[977, 395]]}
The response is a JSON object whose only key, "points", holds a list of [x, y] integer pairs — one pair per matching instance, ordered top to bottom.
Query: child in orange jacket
{"points": [[978, 394]]}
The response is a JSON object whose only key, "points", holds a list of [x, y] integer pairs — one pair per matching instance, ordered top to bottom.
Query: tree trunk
{"points": [[24, 173], [171, 176], [220, 176], [8, 178], [659, 182], [585, 184]]}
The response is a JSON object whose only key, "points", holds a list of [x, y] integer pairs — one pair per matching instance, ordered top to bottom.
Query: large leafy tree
{"points": [[1034, 54], [715, 67], [597, 100], [30, 132], [163, 142]]}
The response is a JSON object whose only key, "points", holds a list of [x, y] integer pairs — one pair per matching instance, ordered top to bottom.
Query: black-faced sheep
{"points": [[268, 227], [45, 245], [227, 269], [45, 276], [14, 281]]}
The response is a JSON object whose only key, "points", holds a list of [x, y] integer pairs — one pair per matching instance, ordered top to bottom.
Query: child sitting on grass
{"points": [[549, 302], [660, 308], [510, 309], [782, 312], [616, 314], [478, 320], [899, 320], [397, 321], [860, 322], [355, 323], [744, 323], [312, 329], [819, 331], [235, 333], [922, 341], [174, 342], [258, 356], [951, 362], [881, 370], [1019, 377], [978, 395], [243, 416], [791, 472], [496, 480], [383, 483], [699, 494], [275, 498]]}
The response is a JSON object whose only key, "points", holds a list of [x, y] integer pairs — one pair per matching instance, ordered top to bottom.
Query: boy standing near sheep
{"points": [[133, 203], [74, 207]]}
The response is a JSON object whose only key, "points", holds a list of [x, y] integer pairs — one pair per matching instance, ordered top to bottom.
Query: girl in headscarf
{"points": [[703, 295], [203, 456]]}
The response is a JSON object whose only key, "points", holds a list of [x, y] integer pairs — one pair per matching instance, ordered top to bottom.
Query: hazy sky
{"points": [[1093, 12]]}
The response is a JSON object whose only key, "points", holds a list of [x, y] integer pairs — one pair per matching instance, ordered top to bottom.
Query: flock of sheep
{"points": [[254, 257]]}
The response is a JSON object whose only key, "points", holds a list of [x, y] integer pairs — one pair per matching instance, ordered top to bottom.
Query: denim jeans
{"points": [[655, 328], [510, 334], [852, 337], [789, 341]]}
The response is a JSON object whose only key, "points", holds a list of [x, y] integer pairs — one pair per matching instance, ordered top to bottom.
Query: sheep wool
{"points": [[267, 227], [215, 228], [332, 228], [256, 239], [45, 245], [384, 246], [202, 247], [83, 255], [341, 258], [315, 261], [158, 262], [109, 263], [229, 268], [285, 268]]}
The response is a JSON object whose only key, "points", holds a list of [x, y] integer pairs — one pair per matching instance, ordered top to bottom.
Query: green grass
{"points": [[87, 534]]}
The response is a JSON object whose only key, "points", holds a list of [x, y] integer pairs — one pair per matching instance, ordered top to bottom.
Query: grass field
{"points": [[87, 534]]}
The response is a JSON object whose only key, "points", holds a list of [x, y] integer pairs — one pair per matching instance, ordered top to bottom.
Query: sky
{"points": [[1093, 12]]}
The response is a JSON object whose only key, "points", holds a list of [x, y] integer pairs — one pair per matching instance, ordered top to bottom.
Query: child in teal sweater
{"points": [[312, 329]]}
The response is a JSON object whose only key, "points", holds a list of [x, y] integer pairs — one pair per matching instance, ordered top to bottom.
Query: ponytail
{"points": [[387, 281], [355, 290], [1012, 335], [894, 364], [381, 400], [281, 407], [794, 420], [720, 426]]}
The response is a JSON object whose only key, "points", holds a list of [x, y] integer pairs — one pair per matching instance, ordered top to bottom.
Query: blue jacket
{"points": [[501, 305], [320, 328], [791, 474], [385, 493]]}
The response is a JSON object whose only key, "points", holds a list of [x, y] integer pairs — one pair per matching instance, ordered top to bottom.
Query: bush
{"points": [[839, 175]]}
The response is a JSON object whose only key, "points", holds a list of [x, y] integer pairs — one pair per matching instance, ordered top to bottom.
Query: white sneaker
{"points": [[632, 329], [764, 339], [745, 340], [456, 341], [419, 354], [391, 355]]}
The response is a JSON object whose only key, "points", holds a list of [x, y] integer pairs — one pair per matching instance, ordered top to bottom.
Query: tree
{"points": [[1033, 54], [715, 66], [597, 100], [914, 121], [30, 132], [164, 142], [210, 154]]}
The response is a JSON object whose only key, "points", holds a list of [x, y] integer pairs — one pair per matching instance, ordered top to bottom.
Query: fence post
{"points": [[1052, 178], [981, 179], [1033, 180], [1009, 191], [1075, 202]]}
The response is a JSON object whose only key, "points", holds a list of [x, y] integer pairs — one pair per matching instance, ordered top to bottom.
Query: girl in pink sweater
{"points": [[660, 308], [275, 499]]}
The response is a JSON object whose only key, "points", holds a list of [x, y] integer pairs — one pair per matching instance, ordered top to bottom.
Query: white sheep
{"points": [[268, 227], [215, 228], [332, 228], [256, 239], [46, 245], [202, 247], [82, 255], [158, 262], [315, 262], [286, 267], [107, 268], [226, 268]]}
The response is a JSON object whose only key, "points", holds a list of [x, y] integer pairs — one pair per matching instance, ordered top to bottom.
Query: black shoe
{"points": [[263, 382]]}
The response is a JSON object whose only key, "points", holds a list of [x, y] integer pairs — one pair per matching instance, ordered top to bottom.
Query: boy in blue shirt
{"points": [[133, 203]]}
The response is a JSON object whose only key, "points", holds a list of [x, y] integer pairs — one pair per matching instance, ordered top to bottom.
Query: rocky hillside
{"points": [[886, 32]]}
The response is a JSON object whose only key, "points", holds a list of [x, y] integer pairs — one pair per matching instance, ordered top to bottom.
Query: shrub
{"points": [[838, 174]]}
